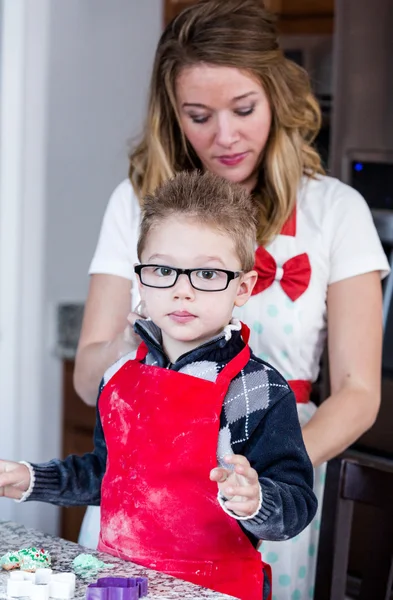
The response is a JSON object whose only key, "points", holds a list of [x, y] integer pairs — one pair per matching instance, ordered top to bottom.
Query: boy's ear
{"points": [[248, 280], [140, 286]]}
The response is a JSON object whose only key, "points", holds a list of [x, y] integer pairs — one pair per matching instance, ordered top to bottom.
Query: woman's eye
{"points": [[243, 112], [199, 118], [164, 271], [207, 274]]}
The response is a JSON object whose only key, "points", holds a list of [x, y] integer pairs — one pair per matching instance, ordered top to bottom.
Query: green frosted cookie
{"points": [[34, 558], [27, 559], [10, 561]]}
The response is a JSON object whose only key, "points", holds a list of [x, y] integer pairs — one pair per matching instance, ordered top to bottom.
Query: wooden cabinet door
{"points": [[174, 7], [306, 8], [294, 16], [303, 17], [78, 428], [77, 442]]}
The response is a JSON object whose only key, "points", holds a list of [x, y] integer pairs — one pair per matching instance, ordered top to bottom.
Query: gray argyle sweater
{"points": [[258, 420]]}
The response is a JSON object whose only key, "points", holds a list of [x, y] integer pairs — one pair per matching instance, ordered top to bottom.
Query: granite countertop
{"points": [[161, 587]]}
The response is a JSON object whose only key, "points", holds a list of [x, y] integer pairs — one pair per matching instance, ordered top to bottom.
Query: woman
{"points": [[224, 98]]}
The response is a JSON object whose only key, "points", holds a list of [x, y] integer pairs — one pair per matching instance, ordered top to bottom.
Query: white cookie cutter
{"points": [[41, 585]]}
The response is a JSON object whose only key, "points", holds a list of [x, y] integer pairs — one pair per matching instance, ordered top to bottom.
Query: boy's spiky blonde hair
{"points": [[209, 200]]}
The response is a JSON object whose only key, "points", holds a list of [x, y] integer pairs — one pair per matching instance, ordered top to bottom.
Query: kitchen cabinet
{"points": [[174, 7], [294, 16], [298, 17], [78, 428]]}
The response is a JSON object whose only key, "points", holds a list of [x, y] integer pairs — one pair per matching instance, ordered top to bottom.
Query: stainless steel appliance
{"points": [[314, 53], [361, 148], [361, 154]]}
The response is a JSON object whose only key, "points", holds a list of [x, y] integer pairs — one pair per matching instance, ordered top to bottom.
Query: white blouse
{"points": [[334, 228]]}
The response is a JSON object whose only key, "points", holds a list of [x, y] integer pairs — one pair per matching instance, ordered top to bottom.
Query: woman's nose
{"points": [[227, 132]]}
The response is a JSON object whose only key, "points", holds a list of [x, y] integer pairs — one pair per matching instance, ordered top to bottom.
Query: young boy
{"points": [[193, 398]]}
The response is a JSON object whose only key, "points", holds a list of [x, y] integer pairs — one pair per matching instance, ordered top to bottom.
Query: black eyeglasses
{"points": [[204, 280]]}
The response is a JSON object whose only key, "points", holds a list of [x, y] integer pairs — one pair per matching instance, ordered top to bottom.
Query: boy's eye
{"points": [[163, 271], [207, 275]]}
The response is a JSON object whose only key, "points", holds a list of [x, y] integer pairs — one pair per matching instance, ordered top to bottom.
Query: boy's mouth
{"points": [[181, 316]]}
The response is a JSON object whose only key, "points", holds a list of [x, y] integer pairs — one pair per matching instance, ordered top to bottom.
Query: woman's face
{"points": [[226, 117]]}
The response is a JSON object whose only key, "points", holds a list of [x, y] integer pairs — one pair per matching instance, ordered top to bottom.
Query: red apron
{"points": [[301, 389], [159, 508]]}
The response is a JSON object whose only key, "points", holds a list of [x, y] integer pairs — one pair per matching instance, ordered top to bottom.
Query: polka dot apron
{"points": [[283, 321]]}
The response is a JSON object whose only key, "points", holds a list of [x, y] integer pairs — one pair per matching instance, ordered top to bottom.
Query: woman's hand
{"points": [[139, 313], [106, 336], [130, 337], [14, 479], [240, 485]]}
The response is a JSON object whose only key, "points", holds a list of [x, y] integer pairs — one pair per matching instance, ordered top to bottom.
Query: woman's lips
{"points": [[232, 160], [181, 316]]}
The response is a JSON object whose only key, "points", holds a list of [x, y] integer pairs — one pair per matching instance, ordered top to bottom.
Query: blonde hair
{"points": [[239, 34], [206, 199]]}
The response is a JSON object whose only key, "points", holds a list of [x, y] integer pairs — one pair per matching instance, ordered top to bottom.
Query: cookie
{"points": [[34, 558], [27, 559], [10, 561]]}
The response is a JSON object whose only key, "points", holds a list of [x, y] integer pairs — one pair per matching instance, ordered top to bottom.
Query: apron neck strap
{"points": [[245, 332], [142, 351], [238, 362], [230, 370]]}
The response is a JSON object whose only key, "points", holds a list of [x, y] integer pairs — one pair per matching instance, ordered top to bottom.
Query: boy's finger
{"points": [[238, 460], [5, 466], [244, 469], [245, 472], [219, 474], [249, 474], [12, 475], [9, 478], [241, 490], [10, 492], [242, 509]]}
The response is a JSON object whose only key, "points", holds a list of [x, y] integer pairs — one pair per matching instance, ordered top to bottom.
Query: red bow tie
{"points": [[294, 276]]}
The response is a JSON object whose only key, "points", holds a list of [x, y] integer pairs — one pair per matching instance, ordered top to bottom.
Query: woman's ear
{"points": [[248, 280]]}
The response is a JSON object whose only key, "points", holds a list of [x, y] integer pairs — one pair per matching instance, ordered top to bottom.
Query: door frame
{"points": [[24, 59]]}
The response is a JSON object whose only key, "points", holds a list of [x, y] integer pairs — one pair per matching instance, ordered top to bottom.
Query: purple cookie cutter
{"points": [[117, 588]]}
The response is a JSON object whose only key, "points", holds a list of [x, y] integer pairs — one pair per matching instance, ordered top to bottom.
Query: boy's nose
{"points": [[183, 287]]}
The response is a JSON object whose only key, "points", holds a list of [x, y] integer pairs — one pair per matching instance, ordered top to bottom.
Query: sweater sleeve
{"points": [[277, 452], [74, 481]]}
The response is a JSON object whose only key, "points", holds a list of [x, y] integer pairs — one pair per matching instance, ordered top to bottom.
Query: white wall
{"points": [[95, 61], [100, 63], [22, 218]]}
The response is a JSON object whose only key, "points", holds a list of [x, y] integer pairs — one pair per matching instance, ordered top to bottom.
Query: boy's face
{"points": [[186, 316]]}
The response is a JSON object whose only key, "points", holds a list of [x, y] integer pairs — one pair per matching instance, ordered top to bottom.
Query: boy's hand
{"points": [[14, 479], [240, 485]]}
